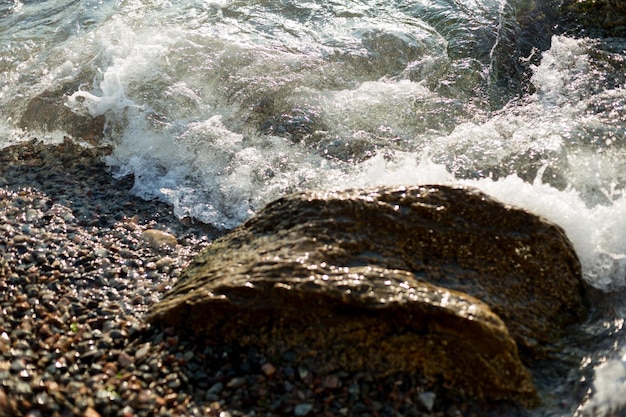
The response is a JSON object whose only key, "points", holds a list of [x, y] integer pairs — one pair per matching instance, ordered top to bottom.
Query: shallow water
{"points": [[217, 107]]}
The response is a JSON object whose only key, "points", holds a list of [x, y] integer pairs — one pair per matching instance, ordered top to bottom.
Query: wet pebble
{"points": [[158, 239], [142, 352], [268, 369], [236, 382], [216, 388], [303, 409]]}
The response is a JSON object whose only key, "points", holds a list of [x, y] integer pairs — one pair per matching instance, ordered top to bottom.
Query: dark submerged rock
{"points": [[604, 18], [47, 112], [390, 279]]}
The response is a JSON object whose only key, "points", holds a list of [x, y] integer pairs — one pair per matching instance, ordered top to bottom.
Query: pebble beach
{"points": [[82, 260]]}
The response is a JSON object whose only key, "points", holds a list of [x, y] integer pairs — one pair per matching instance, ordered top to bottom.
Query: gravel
{"points": [[82, 259]]}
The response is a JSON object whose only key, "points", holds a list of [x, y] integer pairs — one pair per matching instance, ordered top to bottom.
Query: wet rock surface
{"points": [[604, 18], [47, 112], [380, 279]]}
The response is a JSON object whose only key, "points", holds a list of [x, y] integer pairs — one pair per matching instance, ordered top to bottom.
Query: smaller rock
{"points": [[158, 239], [163, 262], [117, 334], [5, 339], [142, 351], [188, 356], [124, 359], [17, 365], [268, 369], [288, 372], [303, 372], [236, 382], [331, 382], [173, 383], [216, 388], [354, 389], [427, 399], [4, 401], [302, 409], [90, 412]]}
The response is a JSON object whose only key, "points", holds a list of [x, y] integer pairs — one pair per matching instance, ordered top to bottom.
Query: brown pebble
{"points": [[20, 238], [158, 239], [163, 262], [23, 306], [55, 320], [44, 331], [171, 341], [5, 343], [124, 359], [110, 368], [268, 369], [236, 382], [331, 382], [51, 386], [144, 396], [170, 398], [4, 402], [90, 412]]}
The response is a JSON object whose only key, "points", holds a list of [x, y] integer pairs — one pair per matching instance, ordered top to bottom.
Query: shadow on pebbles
{"points": [[81, 261]]}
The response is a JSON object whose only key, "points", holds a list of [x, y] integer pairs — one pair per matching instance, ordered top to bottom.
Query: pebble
{"points": [[158, 239], [142, 352], [124, 359], [268, 369], [303, 372], [236, 382], [331, 382], [216, 388], [427, 399], [303, 409], [90, 412]]}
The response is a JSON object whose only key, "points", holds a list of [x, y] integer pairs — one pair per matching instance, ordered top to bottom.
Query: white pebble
{"points": [[427, 399], [303, 409]]}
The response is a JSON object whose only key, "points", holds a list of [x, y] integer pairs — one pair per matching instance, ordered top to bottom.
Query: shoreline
{"points": [[77, 273]]}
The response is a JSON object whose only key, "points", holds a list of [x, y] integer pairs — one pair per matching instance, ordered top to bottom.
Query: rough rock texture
{"points": [[595, 17], [380, 279]]}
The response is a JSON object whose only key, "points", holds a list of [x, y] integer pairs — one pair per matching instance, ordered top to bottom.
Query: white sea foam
{"points": [[181, 130], [609, 387]]}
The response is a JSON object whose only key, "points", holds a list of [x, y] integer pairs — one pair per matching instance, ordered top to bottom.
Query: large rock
{"points": [[390, 279]]}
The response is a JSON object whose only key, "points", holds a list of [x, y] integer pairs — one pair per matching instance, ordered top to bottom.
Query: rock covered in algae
{"points": [[389, 279]]}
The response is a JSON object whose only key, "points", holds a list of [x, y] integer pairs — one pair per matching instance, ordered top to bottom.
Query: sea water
{"points": [[218, 107]]}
